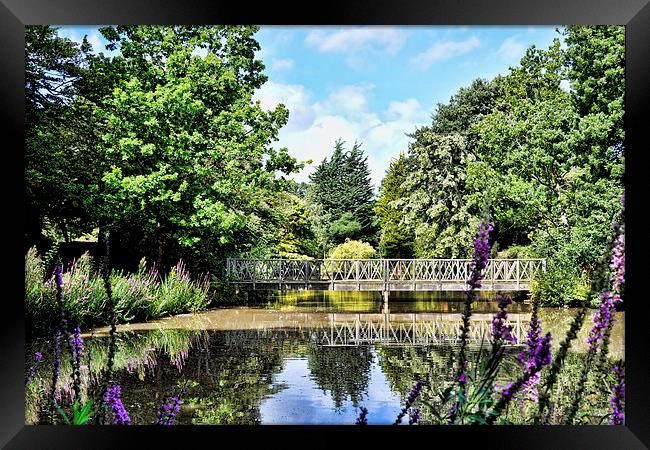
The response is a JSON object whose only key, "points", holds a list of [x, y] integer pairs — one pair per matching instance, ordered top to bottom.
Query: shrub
{"points": [[353, 250], [138, 296]]}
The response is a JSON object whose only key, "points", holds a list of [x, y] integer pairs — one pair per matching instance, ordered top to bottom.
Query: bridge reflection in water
{"points": [[419, 329]]}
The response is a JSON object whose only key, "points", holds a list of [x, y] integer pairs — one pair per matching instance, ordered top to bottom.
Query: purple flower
{"points": [[480, 256], [618, 263], [58, 276], [602, 319], [501, 331], [77, 343], [38, 357], [541, 357], [416, 390], [618, 396], [113, 400], [169, 410], [414, 416], [362, 419]]}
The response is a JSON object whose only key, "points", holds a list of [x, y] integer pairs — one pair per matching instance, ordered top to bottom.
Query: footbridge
{"points": [[384, 275]]}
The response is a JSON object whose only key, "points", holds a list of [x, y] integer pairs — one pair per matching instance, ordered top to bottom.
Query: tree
{"points": [[555, 158], [187, 163], [56, 168], [341, 191], [434, 205], [396, 239]]}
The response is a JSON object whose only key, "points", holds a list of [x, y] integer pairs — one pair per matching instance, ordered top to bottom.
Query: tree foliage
{"points": [[343, 197], [395, 238]]}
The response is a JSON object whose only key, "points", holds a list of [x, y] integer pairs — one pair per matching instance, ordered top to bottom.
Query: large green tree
{"points": [[554, 156], [187, 166], [56, 167], [342, 197], [434, 206], [395, 238]]}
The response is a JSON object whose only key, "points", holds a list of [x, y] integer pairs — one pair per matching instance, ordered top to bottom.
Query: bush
{"points": [[353, 250], [516, 252], [562, 285], [137, 296]]}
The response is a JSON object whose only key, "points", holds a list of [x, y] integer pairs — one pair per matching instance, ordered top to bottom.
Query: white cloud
{"points": [[357, 43], [511, 49], [444, 50], [280, 64], [294, 96], [348, 100], [406, 111], [345, 113]]}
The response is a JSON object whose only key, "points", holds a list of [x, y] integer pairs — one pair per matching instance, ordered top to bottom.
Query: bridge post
{"points": [[518, 264], [305, 268], [254, 272], [356, 274]]}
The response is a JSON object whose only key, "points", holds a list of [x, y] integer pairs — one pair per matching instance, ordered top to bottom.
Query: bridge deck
{"points": [[380, 274]]}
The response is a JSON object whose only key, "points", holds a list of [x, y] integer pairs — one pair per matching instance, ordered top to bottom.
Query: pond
{"points": [[300, 357]]}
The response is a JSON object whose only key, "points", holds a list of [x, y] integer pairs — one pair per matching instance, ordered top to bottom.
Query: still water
{"points": [[301, 357]]}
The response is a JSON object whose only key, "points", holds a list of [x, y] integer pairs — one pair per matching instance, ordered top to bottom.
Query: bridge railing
{"points": [[378, 270]]}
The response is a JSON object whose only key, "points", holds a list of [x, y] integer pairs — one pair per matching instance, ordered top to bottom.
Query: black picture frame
{"points": [[15, 14]]}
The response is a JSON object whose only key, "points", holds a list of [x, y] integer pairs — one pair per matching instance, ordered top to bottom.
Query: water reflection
{"points": [[256, 365]]}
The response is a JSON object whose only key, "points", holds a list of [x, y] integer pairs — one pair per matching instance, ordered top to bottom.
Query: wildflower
{"points": [[480, 256], [618, 263], [477, 266], [602, 320], [501, 331], [77, 343], [38, 357], [541, 358], [416, 390], [618, 396], [113, 400], [169, 410], [414, 416], [362, 419]]}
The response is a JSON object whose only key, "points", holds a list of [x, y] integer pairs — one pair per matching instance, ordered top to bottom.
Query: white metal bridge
{"points": [[380, 274]]}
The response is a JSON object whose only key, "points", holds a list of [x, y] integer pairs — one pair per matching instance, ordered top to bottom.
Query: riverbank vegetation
{"points": [[160, 152], [138, 296]]}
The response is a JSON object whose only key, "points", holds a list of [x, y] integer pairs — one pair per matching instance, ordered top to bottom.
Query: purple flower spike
{"points": [[480, 256], [618, 263], [602, 319], [501, 331], [77, 343], [38, 357], [415, 392], [618, 396], [113, 400], [169, 410], [414, 416], [362, 419]]}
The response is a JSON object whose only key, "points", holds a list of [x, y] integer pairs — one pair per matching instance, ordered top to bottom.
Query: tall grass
{"points": [[142, 295]]}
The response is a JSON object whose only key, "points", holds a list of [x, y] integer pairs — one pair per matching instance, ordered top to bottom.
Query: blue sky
{"points": [[370, 84]]}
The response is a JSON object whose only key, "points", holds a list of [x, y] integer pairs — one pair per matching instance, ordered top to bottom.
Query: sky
{"points": [[370, 84]]}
